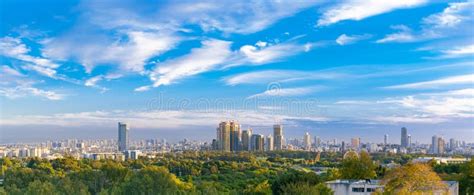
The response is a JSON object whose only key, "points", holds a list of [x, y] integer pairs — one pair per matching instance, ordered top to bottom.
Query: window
{"points": [[357, 189], [371, 189]]}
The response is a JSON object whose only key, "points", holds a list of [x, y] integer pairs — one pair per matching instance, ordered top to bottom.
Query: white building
{"points": [[367, 187]]}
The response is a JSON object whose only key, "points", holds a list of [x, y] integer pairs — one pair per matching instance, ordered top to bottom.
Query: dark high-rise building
{"points": [[123, 129], [246, 134], [235, 136], [404, 138], [257, 142]]}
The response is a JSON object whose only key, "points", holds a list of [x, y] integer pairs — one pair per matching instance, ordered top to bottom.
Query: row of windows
{"points": [[363, 189]]}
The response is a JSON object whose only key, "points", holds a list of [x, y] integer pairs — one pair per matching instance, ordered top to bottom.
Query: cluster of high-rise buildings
{"points": [[230, 137]]}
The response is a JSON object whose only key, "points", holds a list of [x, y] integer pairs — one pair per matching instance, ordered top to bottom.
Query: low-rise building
{"points": [[442, 160], [367, 187]]}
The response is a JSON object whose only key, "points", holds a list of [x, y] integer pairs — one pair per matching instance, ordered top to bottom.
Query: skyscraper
{"points": [[123, 129], [246, 134], [223, 136], [235, 136], [278, 137], [404, 138], [385, 139], [307, 141], [317, 141], [409, 141], [257, 142], [269, 143], [355, 143], [434, 144], [441, 144], [452, 144]]}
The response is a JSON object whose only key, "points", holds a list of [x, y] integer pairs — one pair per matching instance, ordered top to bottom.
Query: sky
{"points": [[175, 69]]}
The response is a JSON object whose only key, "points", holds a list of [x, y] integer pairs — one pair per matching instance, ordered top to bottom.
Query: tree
{"points": [[355, 166], [294, 177], [412, 178], [154, 180], [466, 183], [66, 186], [41, 188], [260, 188], [306, 189]]}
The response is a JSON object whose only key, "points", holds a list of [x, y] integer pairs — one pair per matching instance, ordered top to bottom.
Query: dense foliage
{"points": [[288, 172]]}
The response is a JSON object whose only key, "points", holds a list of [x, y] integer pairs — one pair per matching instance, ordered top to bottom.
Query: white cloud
{"points": [[358, 10], [452, 16], [243, 17], [455, 20], [405, 34], [349, 39], [16, 49], [466, 50], [212, 53], [130, 54], [217, 54], [269, 54], [251, 55], [10, 71], [266, 76], [453, 80], [15, 85], [143, 88], [23, 91], [285, 92], [355, 102], [419, 108], [153, 119], [409, 119]]}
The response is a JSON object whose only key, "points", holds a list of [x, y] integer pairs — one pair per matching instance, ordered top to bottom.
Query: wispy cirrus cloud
{"points": [[358, 10], [242, 17], [453, 20], [404, 34], [350, 39], [14, 48], [459, 51], [130, 54], [211, 54], [215, 55], [267, 76], [453, 80], [15, 84], [286, 92]]}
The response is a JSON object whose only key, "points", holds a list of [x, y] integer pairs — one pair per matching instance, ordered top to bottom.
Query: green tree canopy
{"points": [[358, 166]]}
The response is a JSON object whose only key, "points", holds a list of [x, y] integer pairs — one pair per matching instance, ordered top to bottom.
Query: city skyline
{"points": [[73, 69]]}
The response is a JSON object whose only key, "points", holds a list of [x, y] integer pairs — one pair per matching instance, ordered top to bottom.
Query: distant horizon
{"points": [[174, 69], [373, 135]]}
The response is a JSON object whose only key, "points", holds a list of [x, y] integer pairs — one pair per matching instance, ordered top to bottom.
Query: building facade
{"points": [[123, 130], [278, 137], [404, 138]]}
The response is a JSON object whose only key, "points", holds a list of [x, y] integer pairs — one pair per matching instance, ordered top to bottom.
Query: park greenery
{"points": [[283, 172]]}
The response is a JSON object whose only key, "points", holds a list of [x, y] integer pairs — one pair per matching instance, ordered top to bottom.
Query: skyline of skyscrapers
{"points": [[229, 137]]}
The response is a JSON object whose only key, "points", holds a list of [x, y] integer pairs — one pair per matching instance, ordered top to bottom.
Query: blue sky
{"points": [[174, 69]]}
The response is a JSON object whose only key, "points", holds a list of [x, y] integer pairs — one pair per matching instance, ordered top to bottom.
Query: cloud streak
{"points": [[358, 10], [453, 80]]}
